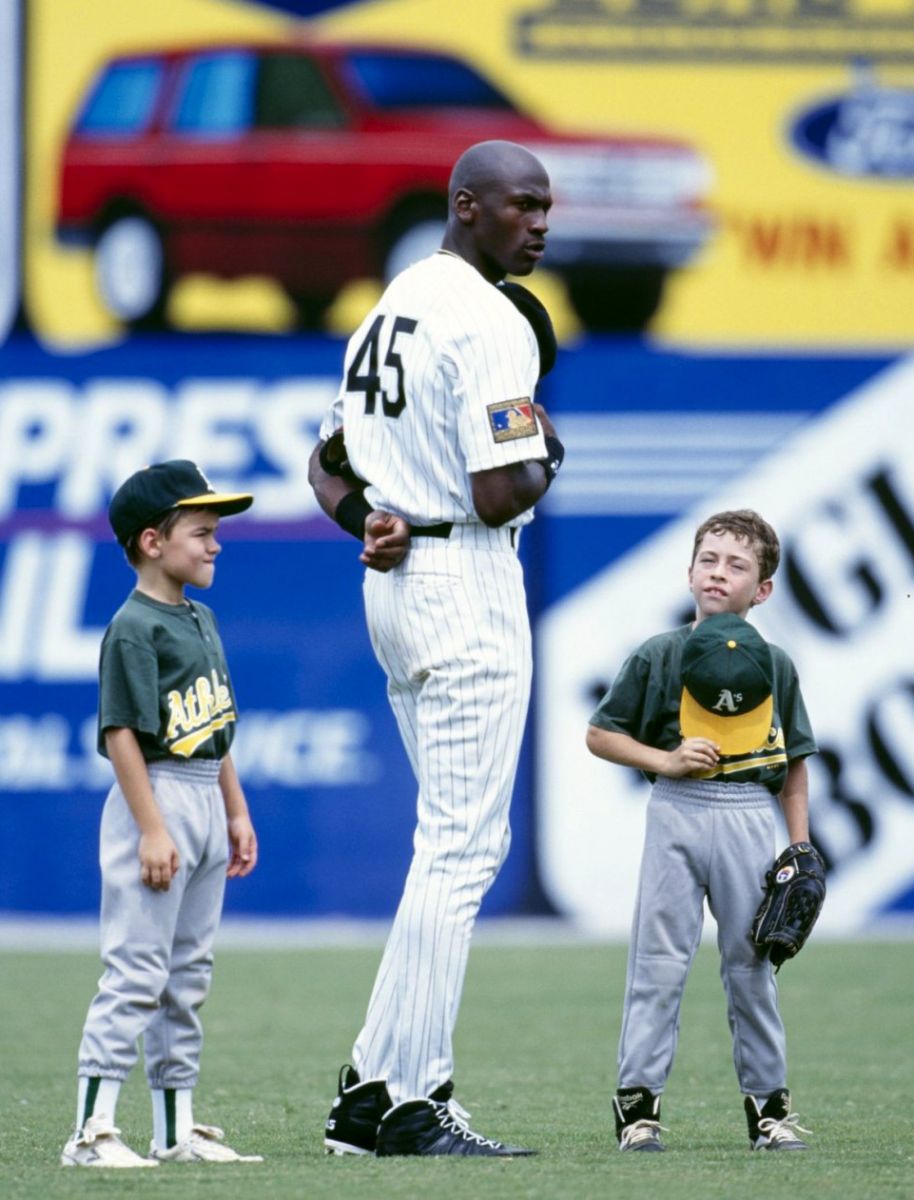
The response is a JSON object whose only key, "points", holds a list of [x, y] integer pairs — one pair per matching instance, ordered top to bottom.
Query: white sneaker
{"points": [[642, 1135], [98, 1144], [203, 1144]]}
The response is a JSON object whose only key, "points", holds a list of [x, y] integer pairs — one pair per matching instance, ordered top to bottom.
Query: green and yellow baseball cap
{"points": [[179, 483], [727, 682]]}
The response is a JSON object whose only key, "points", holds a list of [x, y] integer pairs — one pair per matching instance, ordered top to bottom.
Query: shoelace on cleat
{"points": [[454, 1119], [783, 1130], [640, 1131], [91, 1133]]}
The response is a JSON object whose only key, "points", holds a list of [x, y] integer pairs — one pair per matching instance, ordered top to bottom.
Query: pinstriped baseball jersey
{"points": [[438, 383]]}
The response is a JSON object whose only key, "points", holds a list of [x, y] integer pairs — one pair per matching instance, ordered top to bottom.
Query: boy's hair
{"points": [[163, 527], [749, 527]]}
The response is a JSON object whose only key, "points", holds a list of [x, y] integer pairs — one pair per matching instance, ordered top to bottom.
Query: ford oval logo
{"points": [[868, 132]]}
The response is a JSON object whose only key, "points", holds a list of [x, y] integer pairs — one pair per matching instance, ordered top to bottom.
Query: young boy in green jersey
{"points": [[714, 718], [175, 823]]}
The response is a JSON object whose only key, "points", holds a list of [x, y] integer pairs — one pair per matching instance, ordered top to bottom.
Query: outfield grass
{"points": [[535, 1053]]}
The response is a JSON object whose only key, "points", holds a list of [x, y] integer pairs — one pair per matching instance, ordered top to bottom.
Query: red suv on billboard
{"points": [[316, 164]]}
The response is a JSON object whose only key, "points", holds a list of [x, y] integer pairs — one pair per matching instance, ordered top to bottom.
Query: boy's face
{"points": [[187, 555], [724, 578]]}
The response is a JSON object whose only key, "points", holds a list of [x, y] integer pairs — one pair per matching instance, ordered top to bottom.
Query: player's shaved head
{"points": [[492, 164], [498, 197]]}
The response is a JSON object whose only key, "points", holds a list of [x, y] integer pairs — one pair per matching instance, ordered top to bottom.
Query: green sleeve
{"points": [[128, 687], [622, 708], [799, 740]]}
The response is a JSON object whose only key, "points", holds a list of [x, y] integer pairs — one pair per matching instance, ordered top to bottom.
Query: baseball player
{"points": [[438, 417], [714, 718], [174, 825]]}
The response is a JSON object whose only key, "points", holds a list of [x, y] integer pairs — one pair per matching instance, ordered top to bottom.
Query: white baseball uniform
{"points": [[439, 383]]}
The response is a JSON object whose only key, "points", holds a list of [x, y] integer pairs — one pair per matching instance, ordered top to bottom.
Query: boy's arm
{"points": [[692, 754], [795, 801], [242, 837], [158, 855]]}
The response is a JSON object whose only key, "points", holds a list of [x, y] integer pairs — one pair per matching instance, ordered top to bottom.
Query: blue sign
{"points": [[648, 433]]}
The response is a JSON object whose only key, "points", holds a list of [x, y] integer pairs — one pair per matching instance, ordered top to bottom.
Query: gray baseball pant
{"points": [[704, 838], [157, 946]]}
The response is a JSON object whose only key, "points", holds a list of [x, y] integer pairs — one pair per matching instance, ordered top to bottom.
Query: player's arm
{"points": [[502, 493], [385, 537], [692, 754], [794, 800], [242, 838], [157, 853]]}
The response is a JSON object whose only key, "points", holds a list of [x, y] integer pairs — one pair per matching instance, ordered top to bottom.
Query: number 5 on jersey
{"points": [[359, 379]]}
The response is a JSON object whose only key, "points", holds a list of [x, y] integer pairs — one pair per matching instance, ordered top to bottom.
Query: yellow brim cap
{"points": [[226, 503], [738, 734]]}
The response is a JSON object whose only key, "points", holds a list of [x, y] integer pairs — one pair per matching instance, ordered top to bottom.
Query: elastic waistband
{"points": [[472, 533], [190, 768], [712, 791]]}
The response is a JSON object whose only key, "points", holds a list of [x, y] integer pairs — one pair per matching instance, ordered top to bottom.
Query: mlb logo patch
{"points": [[510, 419]]}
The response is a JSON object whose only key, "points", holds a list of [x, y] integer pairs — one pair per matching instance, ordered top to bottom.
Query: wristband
{"points": [[555, 456], [351, 513]]}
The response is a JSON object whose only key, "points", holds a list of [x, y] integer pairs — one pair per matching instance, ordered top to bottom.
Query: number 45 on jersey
{"points": [[363, 376]]}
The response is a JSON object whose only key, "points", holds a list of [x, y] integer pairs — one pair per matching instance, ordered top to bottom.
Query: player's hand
{"points": [[545, 424], [386, 541], [692, 754], [243, 844], [159, 860]]}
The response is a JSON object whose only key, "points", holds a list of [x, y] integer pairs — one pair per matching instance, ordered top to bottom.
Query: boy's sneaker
{"points": [[637, 1113], [352, 1126], [437, 1126], [772, 1126], [204, 1143], [98, 1144]]}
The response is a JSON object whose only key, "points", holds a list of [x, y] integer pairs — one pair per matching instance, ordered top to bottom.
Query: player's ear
{"points": [[465, 205], [148, 542], [764, 591]]}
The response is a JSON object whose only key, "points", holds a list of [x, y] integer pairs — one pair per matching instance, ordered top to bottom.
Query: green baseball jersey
{"points": [[163, 674], [643, 702]]}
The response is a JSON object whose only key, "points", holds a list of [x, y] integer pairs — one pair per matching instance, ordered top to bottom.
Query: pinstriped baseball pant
{"points": [[450, 628], [704, 838], [157, 946]]}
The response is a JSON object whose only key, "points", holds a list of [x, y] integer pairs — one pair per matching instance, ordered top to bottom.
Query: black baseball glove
{"points": [[540, 322], [334, 458], [794, 895]]}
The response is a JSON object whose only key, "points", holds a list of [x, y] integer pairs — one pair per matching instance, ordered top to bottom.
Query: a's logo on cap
{"points": [[727, 681]]}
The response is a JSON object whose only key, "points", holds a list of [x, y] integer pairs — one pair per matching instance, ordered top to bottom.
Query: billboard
{"points": [[766, 152], [753, 163], [837, 484], [317, 749]]}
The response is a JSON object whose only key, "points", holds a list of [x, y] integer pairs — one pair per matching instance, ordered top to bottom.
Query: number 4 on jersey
{"points": [[369, 381]]}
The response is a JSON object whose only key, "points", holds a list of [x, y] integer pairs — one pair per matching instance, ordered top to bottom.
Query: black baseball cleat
{"points": [[637, 1113], [437, 1126], [772, 1126], [352, 1127]]}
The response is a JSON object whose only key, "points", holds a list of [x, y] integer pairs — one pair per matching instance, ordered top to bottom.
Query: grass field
{"points": [[535, 1054]]}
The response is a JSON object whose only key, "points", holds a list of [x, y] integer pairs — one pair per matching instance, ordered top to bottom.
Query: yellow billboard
{"points": [[802, 113]]}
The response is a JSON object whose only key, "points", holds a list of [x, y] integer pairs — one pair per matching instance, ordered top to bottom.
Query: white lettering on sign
{"points": [[83, 441], [42, 594], [297, 748]]}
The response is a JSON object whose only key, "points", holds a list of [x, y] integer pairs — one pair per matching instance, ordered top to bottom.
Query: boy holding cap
{"points": [[713, 717], [174, 825]]}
